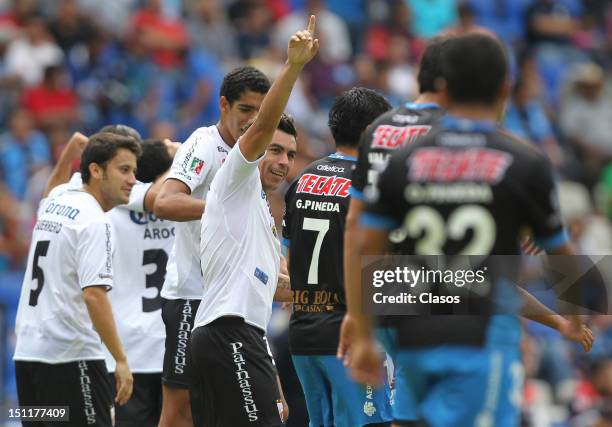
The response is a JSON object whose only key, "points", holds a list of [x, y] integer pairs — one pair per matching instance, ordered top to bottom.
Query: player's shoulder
{"points": [[409, 114], [204, 139], [521, 149]]}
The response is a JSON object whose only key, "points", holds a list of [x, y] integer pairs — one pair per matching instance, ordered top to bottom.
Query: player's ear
{"points": [[224, 105], [96, 171]]}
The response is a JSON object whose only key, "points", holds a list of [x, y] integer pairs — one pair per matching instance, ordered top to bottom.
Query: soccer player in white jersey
{"points": [[181, 199], [135, 299], [64, 312], [234, 380]]}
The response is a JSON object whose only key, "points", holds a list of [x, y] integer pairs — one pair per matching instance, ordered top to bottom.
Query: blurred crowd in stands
{"points": [[157, 65]]}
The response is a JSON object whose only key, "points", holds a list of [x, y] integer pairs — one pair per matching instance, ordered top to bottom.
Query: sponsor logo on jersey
{"points": [[405, 118], [389, 137], [222, 150], [188, 155], [196, 165], [447, 165], [330, 168], [324, 185], [62, 210], [243, 377], [369, 409]]}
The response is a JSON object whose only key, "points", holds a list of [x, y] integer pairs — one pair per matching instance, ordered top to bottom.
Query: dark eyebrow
{"points": [[252, 107]]}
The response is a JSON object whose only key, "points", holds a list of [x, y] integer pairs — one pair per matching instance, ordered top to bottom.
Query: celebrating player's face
{"points": [[241, 113], [278, 160], [119, 178]]}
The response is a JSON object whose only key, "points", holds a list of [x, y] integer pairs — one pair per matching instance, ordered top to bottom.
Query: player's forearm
{"points": [[257, 138], [153, 192], [178, 207], [534, 310], [101, 315]]}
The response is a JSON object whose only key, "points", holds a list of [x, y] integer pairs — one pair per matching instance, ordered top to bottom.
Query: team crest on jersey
{"points": [[196, 165], [369, 409]]}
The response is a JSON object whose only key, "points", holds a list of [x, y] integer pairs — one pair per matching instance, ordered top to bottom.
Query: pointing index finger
{"points": [[311, 25]]}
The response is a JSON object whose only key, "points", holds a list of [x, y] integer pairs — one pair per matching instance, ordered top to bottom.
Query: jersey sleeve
{"points": [[193, 161], [236, 173], [359, 177], [137, 196], [382, 203], [542, 203], [288, 213], [94, 255]]}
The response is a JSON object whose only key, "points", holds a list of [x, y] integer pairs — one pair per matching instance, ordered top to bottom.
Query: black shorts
{"points": [[178, 316], [234, 379], [83, 386], [144, 407]]}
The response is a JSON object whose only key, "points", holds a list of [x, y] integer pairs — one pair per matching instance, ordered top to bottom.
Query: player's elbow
{"points": [[92, 295]]}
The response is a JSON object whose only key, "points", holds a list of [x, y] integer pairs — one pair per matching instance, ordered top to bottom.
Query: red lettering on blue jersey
{"points": [[391, 137], [444, 165], [321, 185]]}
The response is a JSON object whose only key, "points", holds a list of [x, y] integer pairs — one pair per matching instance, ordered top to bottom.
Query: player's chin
{"points": [[273, 181]]}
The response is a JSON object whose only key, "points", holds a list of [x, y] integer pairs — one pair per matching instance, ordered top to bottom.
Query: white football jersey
{"points": [[195, 164], [71, 249], [240, 250], [141, 254]]}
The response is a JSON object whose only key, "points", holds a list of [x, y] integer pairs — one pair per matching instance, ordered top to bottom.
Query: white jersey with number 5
{"points": [[195, 164], [143, 244], [71, 249]]}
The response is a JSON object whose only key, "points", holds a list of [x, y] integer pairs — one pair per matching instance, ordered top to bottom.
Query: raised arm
{"points": [[302, 48], [61, 172]]}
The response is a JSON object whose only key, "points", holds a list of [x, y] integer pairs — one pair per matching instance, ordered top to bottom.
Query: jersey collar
{"points": [[423, 106], [467, 125], [340, 156]]}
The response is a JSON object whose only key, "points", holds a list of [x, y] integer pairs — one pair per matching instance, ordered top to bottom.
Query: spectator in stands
{"points": [[429, 17], [551, 25], [71, 27], [329, 27], [209, 30], [253, 33], [164, 38], [27, 56], [53, 103], [586, 117], [526, 118], [23, 151]]}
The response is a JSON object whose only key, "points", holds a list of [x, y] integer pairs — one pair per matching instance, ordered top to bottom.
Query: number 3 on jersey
{"points": [[321, 226], [159, 258], [37, 273]]}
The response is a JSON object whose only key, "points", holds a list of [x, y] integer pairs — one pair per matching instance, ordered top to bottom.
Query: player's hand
{"points": [[302, 45], [76, 144], [172, 147], [579, 334], [347, 335], [365, 364], [125, 383]]}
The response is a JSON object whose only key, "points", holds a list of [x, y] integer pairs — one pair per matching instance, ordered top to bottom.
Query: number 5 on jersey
{"points": [[37, 273]]}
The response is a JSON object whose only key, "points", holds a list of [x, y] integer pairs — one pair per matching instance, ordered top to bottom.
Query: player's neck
{"points": [[427, 98], [474, 112], [226, 136], [97, 194]]}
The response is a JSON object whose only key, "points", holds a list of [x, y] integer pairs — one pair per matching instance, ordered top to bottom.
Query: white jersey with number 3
{"points": [[195, 164], [143, 244], [71, 249]]}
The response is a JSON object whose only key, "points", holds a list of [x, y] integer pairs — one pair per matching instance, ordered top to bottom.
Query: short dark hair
{"points": [[474, 67], [430, 68], [243, 79], [352, 112], [287, 125], [123, 130], [102, 147], [153, 161]]}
